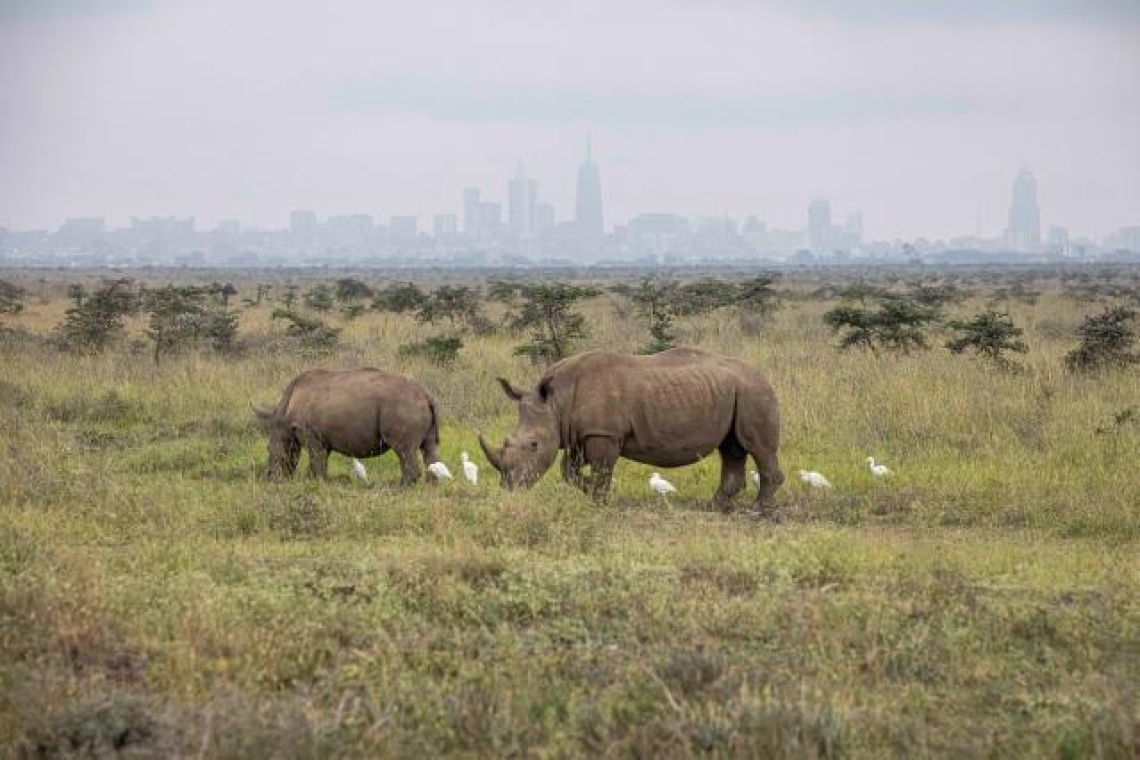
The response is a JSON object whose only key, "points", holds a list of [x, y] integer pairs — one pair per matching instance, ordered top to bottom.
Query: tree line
{"points": [[547, 316]]}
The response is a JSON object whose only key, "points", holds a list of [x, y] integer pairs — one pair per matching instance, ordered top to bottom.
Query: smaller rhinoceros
{"points": [[358, 413]]}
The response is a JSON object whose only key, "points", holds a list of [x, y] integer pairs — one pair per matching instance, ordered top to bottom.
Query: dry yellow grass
{"points": [[159, 597]]}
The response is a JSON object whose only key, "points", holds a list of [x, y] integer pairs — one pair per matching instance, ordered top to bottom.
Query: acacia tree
{"points": [[350, 290], [503, 291], [76, 292], [223, 292], [703, 296], [757, 296], [289, 297], [11, 298], [320, 298], [398, 298], [657, 301], [455, 303], [548, 312], [181, 317], [177, 318], [98, 321], [857, 323], [896, 325], [309, 332], [989, 335], [1106, 340], [438, 349]]}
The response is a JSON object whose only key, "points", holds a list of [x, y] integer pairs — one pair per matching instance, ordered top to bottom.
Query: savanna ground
{"points": [[159, 598]]}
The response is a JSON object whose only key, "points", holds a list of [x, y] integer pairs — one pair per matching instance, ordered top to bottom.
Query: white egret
{"points": [[439, 469], [878, 470], [359, 471], [470, 471], [814, 479], [661, 486]]}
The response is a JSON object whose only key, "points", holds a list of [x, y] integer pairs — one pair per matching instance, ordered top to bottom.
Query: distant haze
{"points": [[919, 118]]}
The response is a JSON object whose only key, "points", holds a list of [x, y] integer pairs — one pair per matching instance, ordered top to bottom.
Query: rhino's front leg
{"points": [[318, 453], [601, 454], [572, 460]]}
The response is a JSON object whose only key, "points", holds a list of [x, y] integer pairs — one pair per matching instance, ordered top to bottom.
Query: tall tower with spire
{"points": [[588, 207], [1024, 231]]}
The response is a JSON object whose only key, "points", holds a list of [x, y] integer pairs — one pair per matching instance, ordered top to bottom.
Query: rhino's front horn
{"points": [[262, 414], [492, 455]]}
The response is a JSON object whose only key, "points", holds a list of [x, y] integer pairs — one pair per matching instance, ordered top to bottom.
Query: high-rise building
{"points": [[522, 197], [588, 207], [472, 214], [543, 219], [490, 220], [819, 224], [444, 226], [303, 228], [403, 229], [82, 231], [348, 231], [1024, 231], [1129, 238], [1059, 239]]}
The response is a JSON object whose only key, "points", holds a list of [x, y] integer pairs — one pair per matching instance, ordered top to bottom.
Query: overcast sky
{"points": [[918, 117]]}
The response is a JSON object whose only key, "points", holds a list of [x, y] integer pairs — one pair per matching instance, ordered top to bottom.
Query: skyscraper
{"points": [[522, 198], [588, 208], [472, 214], [819, 224], [444, 227], [303, 228], [1024, 231]]}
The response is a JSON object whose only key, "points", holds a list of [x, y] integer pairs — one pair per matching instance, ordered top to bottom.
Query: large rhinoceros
{"points": [[668, 410], [359, 413]]}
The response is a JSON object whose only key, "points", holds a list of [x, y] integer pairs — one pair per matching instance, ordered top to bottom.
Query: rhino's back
{"points": [[679, 376], [321, 388], [669, 408], [354, 409]]}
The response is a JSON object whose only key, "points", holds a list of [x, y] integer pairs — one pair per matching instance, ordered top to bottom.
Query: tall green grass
{"points": [[158, 597]]}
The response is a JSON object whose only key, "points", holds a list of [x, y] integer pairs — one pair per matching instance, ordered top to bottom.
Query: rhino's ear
{"points": [[545, 391], [512, 392], [263, 415]]}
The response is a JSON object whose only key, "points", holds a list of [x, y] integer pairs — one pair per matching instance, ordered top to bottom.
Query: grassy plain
{"points": [[158, 598]]}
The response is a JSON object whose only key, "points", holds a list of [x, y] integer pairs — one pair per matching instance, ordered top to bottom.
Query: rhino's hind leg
{"points": [[429, 449], [732, 463], [409, 466], [770, 478]]}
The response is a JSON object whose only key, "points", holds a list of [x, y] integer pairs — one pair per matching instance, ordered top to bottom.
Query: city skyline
{"points": [[915, 115], [523, 216]]}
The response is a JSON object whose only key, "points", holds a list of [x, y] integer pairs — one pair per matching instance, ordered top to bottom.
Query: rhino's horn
{"points": [[262, 414], [492, 455]]}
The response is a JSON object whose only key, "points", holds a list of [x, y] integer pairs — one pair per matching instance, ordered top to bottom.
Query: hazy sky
{"points": [[919, 116]]}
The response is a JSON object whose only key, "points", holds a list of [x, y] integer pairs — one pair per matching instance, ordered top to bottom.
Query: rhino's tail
{"points": [[430, 443]]}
